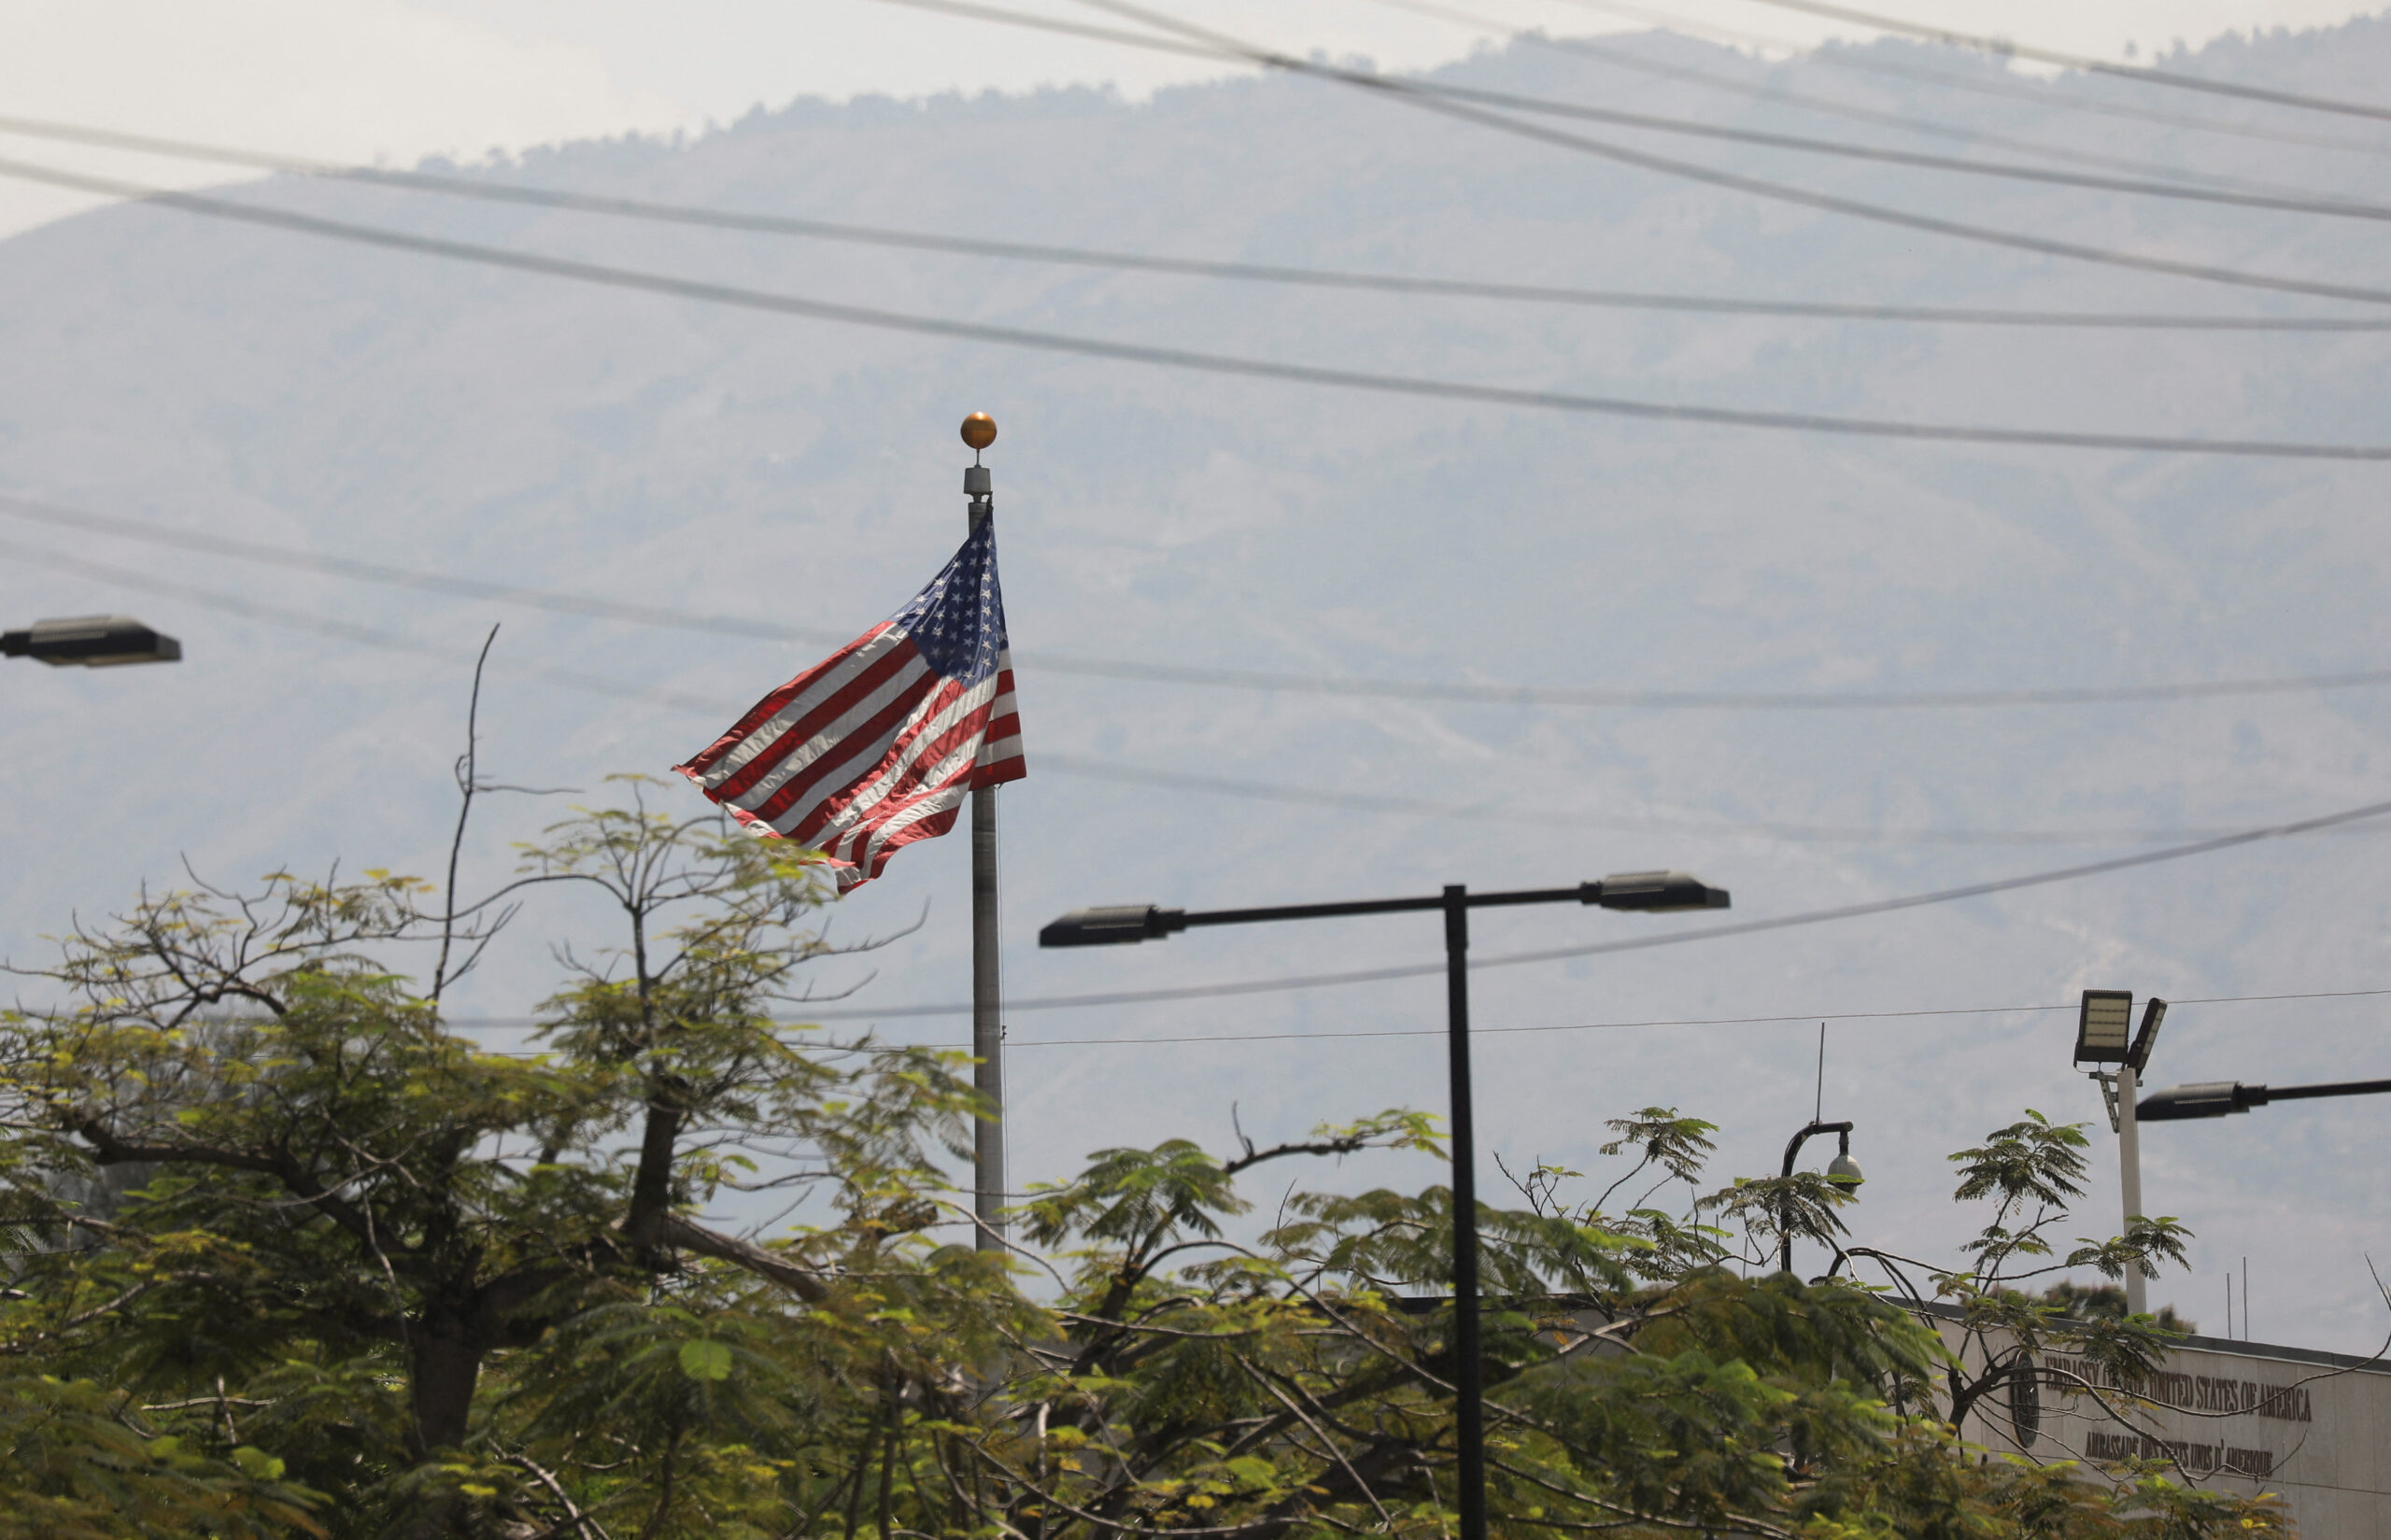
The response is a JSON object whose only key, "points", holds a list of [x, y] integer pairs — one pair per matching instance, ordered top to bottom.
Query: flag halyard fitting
{"points": [[874, 747]]}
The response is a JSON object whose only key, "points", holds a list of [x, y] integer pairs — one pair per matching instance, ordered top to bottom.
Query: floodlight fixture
{"points": [[90, 642], [2153, 1012], [2104, 1026]]}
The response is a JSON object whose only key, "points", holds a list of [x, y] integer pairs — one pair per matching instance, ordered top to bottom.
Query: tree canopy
{"points": [[291, 1254]]}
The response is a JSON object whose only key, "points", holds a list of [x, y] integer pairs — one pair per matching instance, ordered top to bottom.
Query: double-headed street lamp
{"points": [[90, 642], [1650, 891], [2105, 1034]]}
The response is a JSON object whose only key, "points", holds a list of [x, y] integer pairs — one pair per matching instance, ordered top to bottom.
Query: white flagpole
{"points": [[988, 1026]]}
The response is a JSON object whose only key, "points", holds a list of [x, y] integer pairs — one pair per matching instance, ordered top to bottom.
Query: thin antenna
{"points": [[1818, 1110], [2246, 1299], [2229, 1305]]}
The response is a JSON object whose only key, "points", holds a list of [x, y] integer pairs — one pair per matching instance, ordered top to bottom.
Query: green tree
{"points": [[2028, 1173], [348, 1208], [292, 1255]]}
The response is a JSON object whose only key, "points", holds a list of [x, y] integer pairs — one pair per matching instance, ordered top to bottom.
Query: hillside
{"points": [[392, 407]]}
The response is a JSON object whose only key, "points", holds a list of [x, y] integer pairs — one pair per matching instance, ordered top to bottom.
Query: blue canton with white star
{"points": [[958, 623]]}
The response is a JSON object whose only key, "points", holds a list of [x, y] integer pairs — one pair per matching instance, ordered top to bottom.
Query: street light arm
{"points": [[1655, 891], [1125, 924], [2333, 1088], [2223, 1098], [1793, 1145], [1793, 1152]]}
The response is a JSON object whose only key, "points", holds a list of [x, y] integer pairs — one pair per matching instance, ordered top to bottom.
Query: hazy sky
{"points": [[365, 79]]}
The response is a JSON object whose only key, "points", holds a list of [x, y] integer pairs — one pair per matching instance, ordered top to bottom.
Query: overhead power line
{"points": [[2008, 48], [1863, 62], [1409, 93], [1411, 96], [1781, 96], [2230, 191], [2283, 200], [2297, 201], [2289, 203], [916, 240], [1179, 358], [86, 522], [590, 606], [364, 636], [1081, 767], [1550, 818], [1642, 944], [1260, 986], [1333, 1035]]}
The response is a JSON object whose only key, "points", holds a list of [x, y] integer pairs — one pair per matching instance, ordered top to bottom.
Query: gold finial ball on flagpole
{"points": [[979, 431]]}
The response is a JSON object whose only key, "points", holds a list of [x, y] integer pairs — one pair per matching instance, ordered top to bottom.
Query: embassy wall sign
{"points": [[2314, 1428]]}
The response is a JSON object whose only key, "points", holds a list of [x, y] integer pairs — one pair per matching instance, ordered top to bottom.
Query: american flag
{"points": [[873, 747]]}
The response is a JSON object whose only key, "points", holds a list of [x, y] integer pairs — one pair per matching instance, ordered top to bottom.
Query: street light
{"points": [[90, 642], [1652, 892], [2102, 1037], [2222, 1098], [1843, 1171]]}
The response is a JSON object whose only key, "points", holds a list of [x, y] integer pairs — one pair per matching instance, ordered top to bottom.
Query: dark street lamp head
{"points": [[90, 641], [1654, 892], [1116, 925], [2207, 1099]]}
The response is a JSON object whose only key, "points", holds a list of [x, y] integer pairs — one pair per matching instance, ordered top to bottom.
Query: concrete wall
{"points": [[2313, 1427]]}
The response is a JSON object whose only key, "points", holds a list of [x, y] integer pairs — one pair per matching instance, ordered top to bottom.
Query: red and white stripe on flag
{"points": [[875, 746]]}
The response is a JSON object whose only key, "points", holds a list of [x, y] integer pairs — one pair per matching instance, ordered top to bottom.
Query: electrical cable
{"points": [[2008, 49], [1853, 61], [1406, 94], [1778, 95], [2278, 200], [2299, 203], [913, 240], [1180, 358], [82, 521], [367, 636], [1080, 766], [1447, 809], [1746, 928], [1642, 944], [1563, 1026]]}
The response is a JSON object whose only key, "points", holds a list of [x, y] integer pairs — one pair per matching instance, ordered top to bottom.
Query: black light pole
{"points": [[90, 642], [1650, 891], [2221, 1098], [1843, 1170], [1469, 1377]]}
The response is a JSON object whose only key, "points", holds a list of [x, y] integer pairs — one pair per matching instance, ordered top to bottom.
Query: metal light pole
{"points": [[90, 642], [1650, 891], [987, 1024], [2101, 1028], [1843, 1170], [2130, 1181]]}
